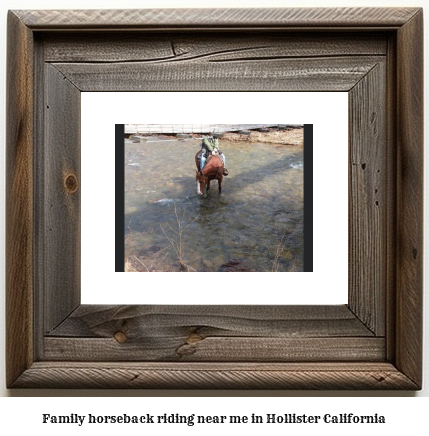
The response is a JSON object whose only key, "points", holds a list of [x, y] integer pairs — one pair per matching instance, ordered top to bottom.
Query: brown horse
{"points": [[213, 169]]}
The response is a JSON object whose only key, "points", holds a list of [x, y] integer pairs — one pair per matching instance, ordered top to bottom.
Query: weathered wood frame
{"points": [[374, 342]]}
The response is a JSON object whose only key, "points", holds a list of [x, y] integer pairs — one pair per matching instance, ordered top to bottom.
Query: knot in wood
{"points": [[71, 183], [120, 337], [193, 338]]}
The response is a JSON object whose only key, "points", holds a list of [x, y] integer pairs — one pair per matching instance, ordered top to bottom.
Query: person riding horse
{"points": [[210, 145]]}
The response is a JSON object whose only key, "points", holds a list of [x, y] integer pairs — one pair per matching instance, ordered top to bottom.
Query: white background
{"points": [[328, 284], [23, 414]]}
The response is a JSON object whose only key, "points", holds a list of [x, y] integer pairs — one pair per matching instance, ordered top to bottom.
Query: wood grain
{"points": [[207, 18], [179, 47], [301, 74], [61, 186], [19, 200], [368, 202], [40, 261], [409, 273], [99, 321], [213, 333], [178, 347], [110, 375]]}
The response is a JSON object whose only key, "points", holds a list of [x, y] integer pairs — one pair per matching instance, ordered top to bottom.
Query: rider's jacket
{"points": [[210, 143]]}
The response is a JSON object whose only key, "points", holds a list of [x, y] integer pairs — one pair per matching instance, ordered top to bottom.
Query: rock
{"points": [[207, 263], [235, 265]]}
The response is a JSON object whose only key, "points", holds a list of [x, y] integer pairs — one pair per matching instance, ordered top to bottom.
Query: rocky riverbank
{"points": [[273, 136], [288, 136]]}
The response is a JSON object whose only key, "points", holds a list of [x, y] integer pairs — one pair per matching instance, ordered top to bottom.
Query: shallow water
{"points": [[256, 224]]}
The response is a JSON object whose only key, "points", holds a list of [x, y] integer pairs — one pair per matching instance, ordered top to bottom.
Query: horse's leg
{"points": [[219, 177], [208, 184]]}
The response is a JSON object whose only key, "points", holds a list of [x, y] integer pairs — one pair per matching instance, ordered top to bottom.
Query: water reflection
{"points": [[255, 225]]}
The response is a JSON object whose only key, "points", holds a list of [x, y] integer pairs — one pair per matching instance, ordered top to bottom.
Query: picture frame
{"points": [[374, 342]]}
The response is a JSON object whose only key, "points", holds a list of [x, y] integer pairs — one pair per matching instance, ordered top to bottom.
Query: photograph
{"points": [[214, 197]]}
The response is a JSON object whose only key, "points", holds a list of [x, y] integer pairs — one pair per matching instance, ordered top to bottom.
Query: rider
{"points": [[210, 145]]}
